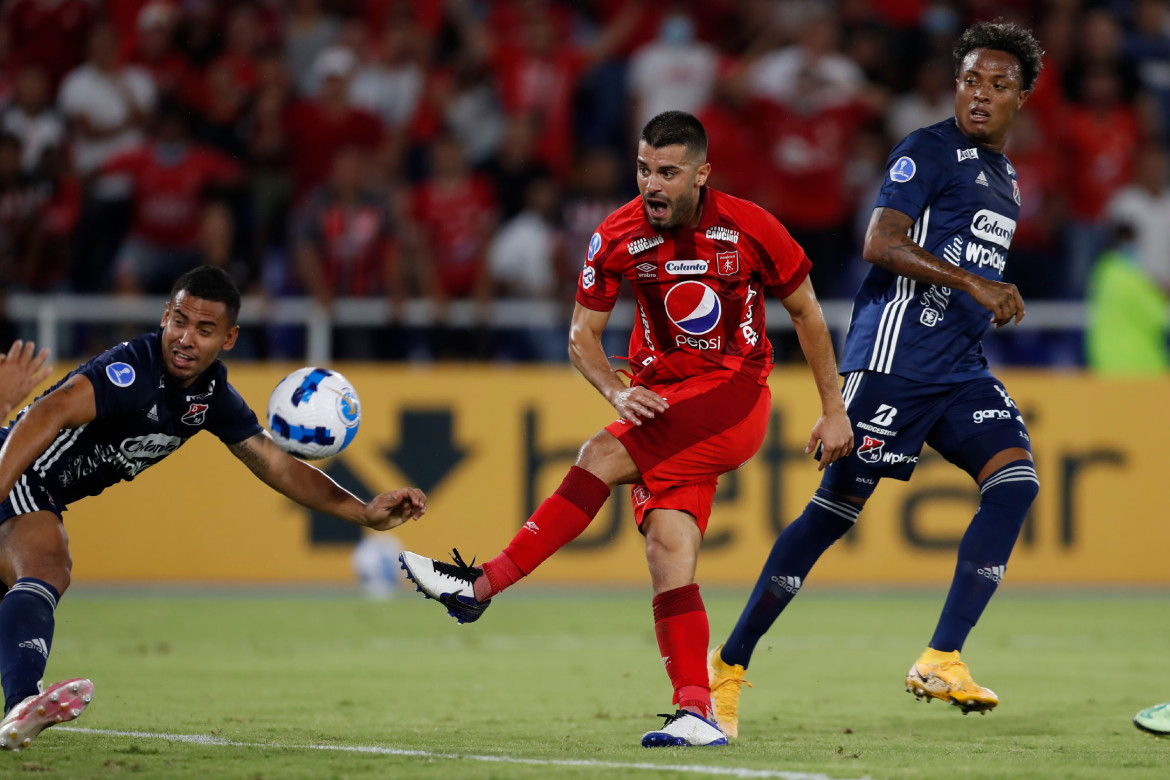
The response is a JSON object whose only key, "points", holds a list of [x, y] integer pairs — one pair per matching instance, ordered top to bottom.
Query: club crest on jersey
{"points": [[903, 170], [642, 244], [594, 247], [727, 263], [686, 267], [693, 307], [121, 374], [195, 415], [870, 450], [641, 495]]}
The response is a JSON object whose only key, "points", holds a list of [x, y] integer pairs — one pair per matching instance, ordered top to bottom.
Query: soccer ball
{"points": [[314, 413]]}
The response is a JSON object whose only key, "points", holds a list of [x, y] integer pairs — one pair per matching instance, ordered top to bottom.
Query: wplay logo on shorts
{"points": [[693, 307]]}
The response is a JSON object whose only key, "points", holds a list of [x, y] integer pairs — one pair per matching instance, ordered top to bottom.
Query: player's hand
{"points": [[1003, 301], [22, 369], [639, 403], [835, 434], [393, 508]]}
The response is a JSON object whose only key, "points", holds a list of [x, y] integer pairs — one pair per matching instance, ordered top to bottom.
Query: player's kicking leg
{"points": [[466, 590]]}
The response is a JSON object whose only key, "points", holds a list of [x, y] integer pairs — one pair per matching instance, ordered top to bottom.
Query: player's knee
{"points": [[606, 458], [1016, 484], [53, 566]]}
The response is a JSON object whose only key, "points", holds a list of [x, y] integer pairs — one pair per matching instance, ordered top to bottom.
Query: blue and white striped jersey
{"points": [[964, 201], [141, 419]]}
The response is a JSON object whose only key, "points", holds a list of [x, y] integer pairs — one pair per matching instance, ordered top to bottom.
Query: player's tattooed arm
{"points": [[888, 245], [250, 457], [313, 488]]}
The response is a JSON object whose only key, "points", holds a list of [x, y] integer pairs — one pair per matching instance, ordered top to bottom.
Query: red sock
{"points": [[559, 520], [680, 623]]}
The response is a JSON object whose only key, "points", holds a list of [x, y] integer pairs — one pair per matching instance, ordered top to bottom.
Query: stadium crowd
{"points": [[467, 149]]}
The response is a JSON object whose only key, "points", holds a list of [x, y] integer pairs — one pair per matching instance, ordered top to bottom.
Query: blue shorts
{"points": [[966, 422], [29, 494]]}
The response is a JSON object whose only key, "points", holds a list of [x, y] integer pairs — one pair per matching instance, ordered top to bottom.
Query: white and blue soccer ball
{"points": [[314, 413]]}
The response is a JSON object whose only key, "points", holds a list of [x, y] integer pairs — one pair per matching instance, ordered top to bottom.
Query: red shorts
{"points": [[715, 424]]}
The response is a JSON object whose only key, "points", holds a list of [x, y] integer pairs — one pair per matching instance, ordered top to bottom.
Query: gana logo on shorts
{"points": [[693, 307]]}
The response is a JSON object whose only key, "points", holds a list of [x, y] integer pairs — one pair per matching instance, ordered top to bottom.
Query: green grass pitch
{"points": [[563, 684]]}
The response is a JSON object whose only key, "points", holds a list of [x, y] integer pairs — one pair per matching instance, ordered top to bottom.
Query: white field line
{"points": [[698, 769]]}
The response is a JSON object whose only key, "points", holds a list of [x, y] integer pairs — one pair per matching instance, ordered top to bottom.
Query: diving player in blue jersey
{"points": [[914, 367], [104, 423]]}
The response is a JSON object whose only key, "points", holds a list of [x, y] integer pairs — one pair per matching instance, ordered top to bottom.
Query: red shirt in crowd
{"points": [[54, 36], [314, 137], [1102, 144], [808, 154], [168, 198], [455, 221], [352, 240]]}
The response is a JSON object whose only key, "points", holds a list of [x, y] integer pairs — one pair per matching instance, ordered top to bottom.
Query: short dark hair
{"points": [[1003, 36], [677, 127], [211, 284]]}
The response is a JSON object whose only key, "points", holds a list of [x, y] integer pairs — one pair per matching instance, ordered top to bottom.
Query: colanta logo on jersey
{"points": [[993, 227], [686, 267], [695, 309], [154, 445]]}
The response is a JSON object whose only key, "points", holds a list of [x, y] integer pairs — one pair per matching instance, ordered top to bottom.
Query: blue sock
{"points": [[824, 520], [984, 551], [26, 636]]}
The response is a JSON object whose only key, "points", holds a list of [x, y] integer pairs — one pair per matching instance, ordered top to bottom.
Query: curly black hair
{"points": [[1003, 36]]}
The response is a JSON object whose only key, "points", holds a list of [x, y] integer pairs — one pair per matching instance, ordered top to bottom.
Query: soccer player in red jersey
{"points": [[697, 406]]}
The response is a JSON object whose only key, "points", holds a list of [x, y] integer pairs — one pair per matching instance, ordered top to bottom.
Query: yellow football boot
{"points": [[937, 675], [726, 683]]}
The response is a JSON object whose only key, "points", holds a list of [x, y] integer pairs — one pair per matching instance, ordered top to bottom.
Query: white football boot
{"points": [[452, 585], [59, 703], [685, 729]]}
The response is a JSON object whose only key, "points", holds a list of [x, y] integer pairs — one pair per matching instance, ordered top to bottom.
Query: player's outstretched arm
{"points": [[888, 246], [22, 369], [633, 403], [69, 406], [833, 428], [311, 487]]}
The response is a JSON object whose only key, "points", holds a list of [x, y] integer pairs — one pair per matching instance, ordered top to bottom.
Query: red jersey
{"points": [[169, 197], [697, 289]]}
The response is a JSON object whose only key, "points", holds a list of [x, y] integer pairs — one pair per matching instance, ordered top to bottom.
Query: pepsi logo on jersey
{"points": [[695, 309]]}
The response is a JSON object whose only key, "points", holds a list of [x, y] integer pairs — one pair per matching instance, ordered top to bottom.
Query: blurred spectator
{"points": [[308, 31], [49, 34], [1099, 42], [242, 45], [1148, 47], [155, 51], [674, 72], [776, 75], [390, 79], [932, 99], [107, 104], [470, 106], [31, 118], [222, 120], [316, 129], [1100, 135], [735, 138], [808, 145], [515, 167], [597, 192], [21, 203], [1144, 206], [454, 215], [176, 225], [343, 236], [50, 244], [523, 255], [523, 259], [1036, 264], [1128, 326]]}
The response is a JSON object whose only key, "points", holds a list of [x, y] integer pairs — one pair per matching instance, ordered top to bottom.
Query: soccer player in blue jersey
{"points": [[914, 366], [106, 422]]}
